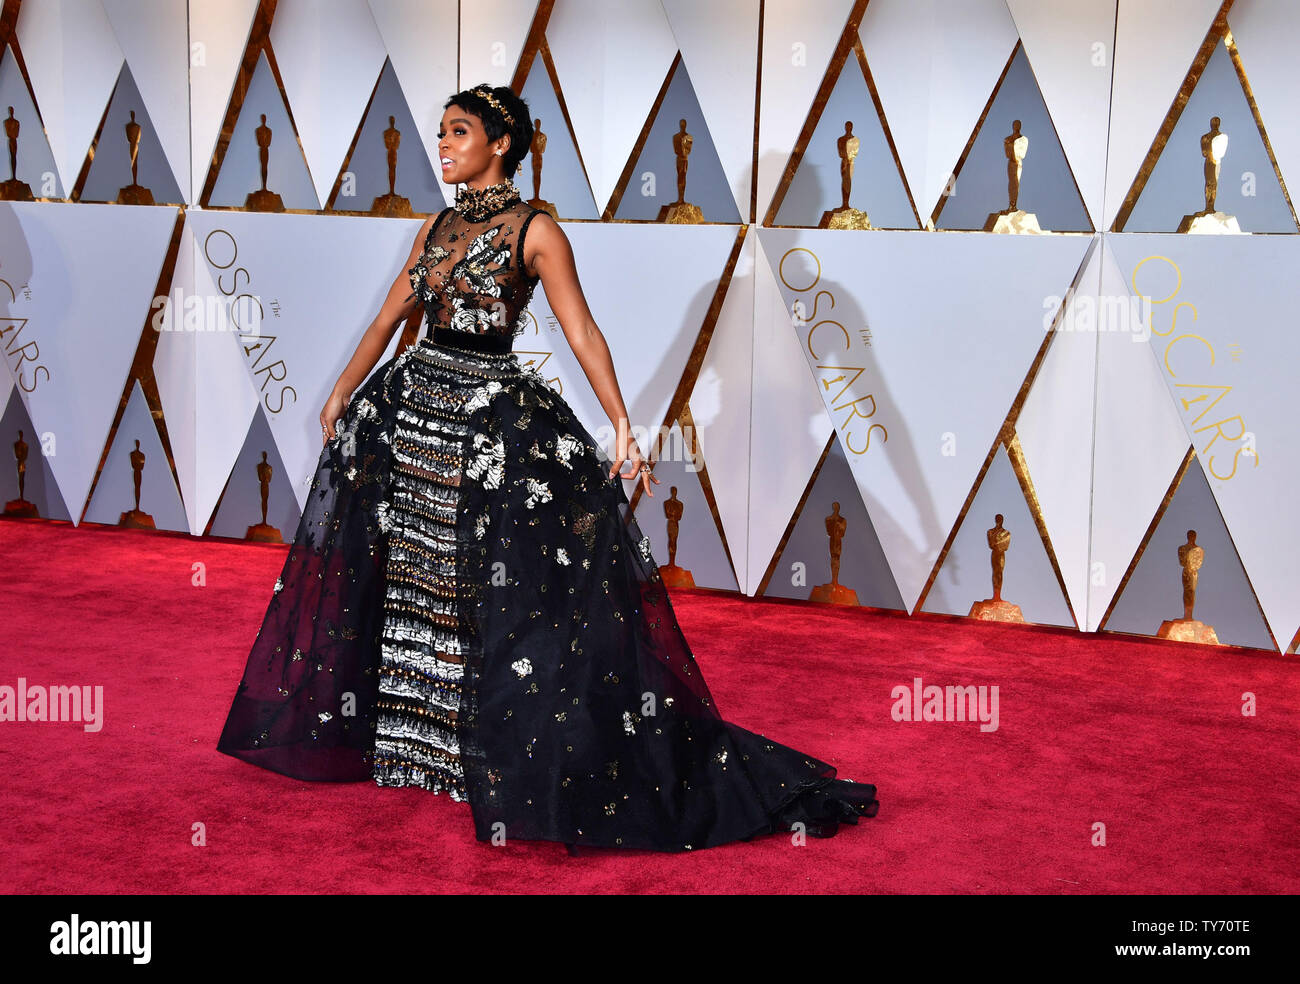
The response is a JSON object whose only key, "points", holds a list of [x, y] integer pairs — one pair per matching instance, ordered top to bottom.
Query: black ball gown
{"points": [[468, 604]]}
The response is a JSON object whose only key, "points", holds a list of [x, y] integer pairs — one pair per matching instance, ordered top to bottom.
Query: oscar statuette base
{"points": [[16, 191], [134, 194], [264, 201], [392, 207], [681, 213], [845, 218], [1013, 221], [1210, 223], [21, 509], [134, 519], [262, 533], [676, 577], [834, 594], [989, 610], [1188, 630]]}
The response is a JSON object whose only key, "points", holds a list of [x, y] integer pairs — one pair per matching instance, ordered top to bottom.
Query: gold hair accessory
{"points": [[486, 93]]}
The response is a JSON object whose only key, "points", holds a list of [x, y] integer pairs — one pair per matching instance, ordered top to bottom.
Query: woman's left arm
{"points": [[549, 255]]}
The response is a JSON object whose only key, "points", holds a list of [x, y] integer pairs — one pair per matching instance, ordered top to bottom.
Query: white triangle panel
{"points": [[219, 32], [1265, 33], [154, 35], [492, 36], [1155, 43], [1070, 44], [719, 45], [797, 50], [330, 55], [424, 60], [611, 60], [73, 61], [935, 63], [313, 321], [650, 335], [918, 344], [78, 345], [1228, 362], [208, 399], [720, 405], [789, 426], [1055, 431], [1138, 446]]}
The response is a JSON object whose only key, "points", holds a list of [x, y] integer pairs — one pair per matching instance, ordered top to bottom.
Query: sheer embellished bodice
{"points": [[471, 275]]}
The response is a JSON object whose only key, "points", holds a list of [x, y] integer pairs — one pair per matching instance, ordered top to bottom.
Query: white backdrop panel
{"points": [[1265, 32], [218, 34], [154, 35], [492, 36], [718, 41], [1155, 42], [1070, 44], [796, 52], [330, 55], [73, 59], [611, 60], [424, 61], [935, 63], [90, 273], [317, 305], [649, 313], [1229, 362], [936, 368], [207, 397], [720, 405], [789, 426], [1055, 431], [1137, 447]]}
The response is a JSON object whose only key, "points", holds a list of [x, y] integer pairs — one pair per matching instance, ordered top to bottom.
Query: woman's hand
{"points": [[334, 409], [630, 452]]}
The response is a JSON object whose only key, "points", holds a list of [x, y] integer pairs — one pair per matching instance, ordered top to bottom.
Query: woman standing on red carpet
{"points": [[468, 604]]}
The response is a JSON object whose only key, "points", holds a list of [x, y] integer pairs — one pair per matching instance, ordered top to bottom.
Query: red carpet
{"points": [[1147, 738]]}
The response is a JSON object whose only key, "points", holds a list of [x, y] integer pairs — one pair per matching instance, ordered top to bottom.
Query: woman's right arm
{"points": [[396, 309]]}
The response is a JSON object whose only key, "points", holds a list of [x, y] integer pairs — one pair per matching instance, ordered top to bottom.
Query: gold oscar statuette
{"points": [[1214, 145], [536, 149], [14, 190], [134, 194], [263, 200], [392, 205], [681, 212], [846, 217], [1012, 219], [20, 508], [135, 519], [264, 532], [674, 576], [834, 593], [995, 609], [1188, 629]]}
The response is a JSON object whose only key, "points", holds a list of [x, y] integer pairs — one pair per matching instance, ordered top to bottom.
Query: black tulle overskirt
{"points": [[582, 714]]}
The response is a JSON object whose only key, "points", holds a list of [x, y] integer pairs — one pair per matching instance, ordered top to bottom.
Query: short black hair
{"points": [[495, 125]]}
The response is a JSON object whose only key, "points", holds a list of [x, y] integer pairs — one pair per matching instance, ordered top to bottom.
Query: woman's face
{"points": [[464, 151]]}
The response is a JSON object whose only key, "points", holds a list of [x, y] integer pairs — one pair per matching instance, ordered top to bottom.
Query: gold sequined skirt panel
{"points": [[421, 649]]}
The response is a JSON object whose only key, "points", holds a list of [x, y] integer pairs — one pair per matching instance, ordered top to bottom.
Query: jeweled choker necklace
{"points": [[476, 204]]}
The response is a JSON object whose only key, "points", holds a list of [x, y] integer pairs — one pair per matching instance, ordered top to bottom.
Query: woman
{"points": [[468, 604]]}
